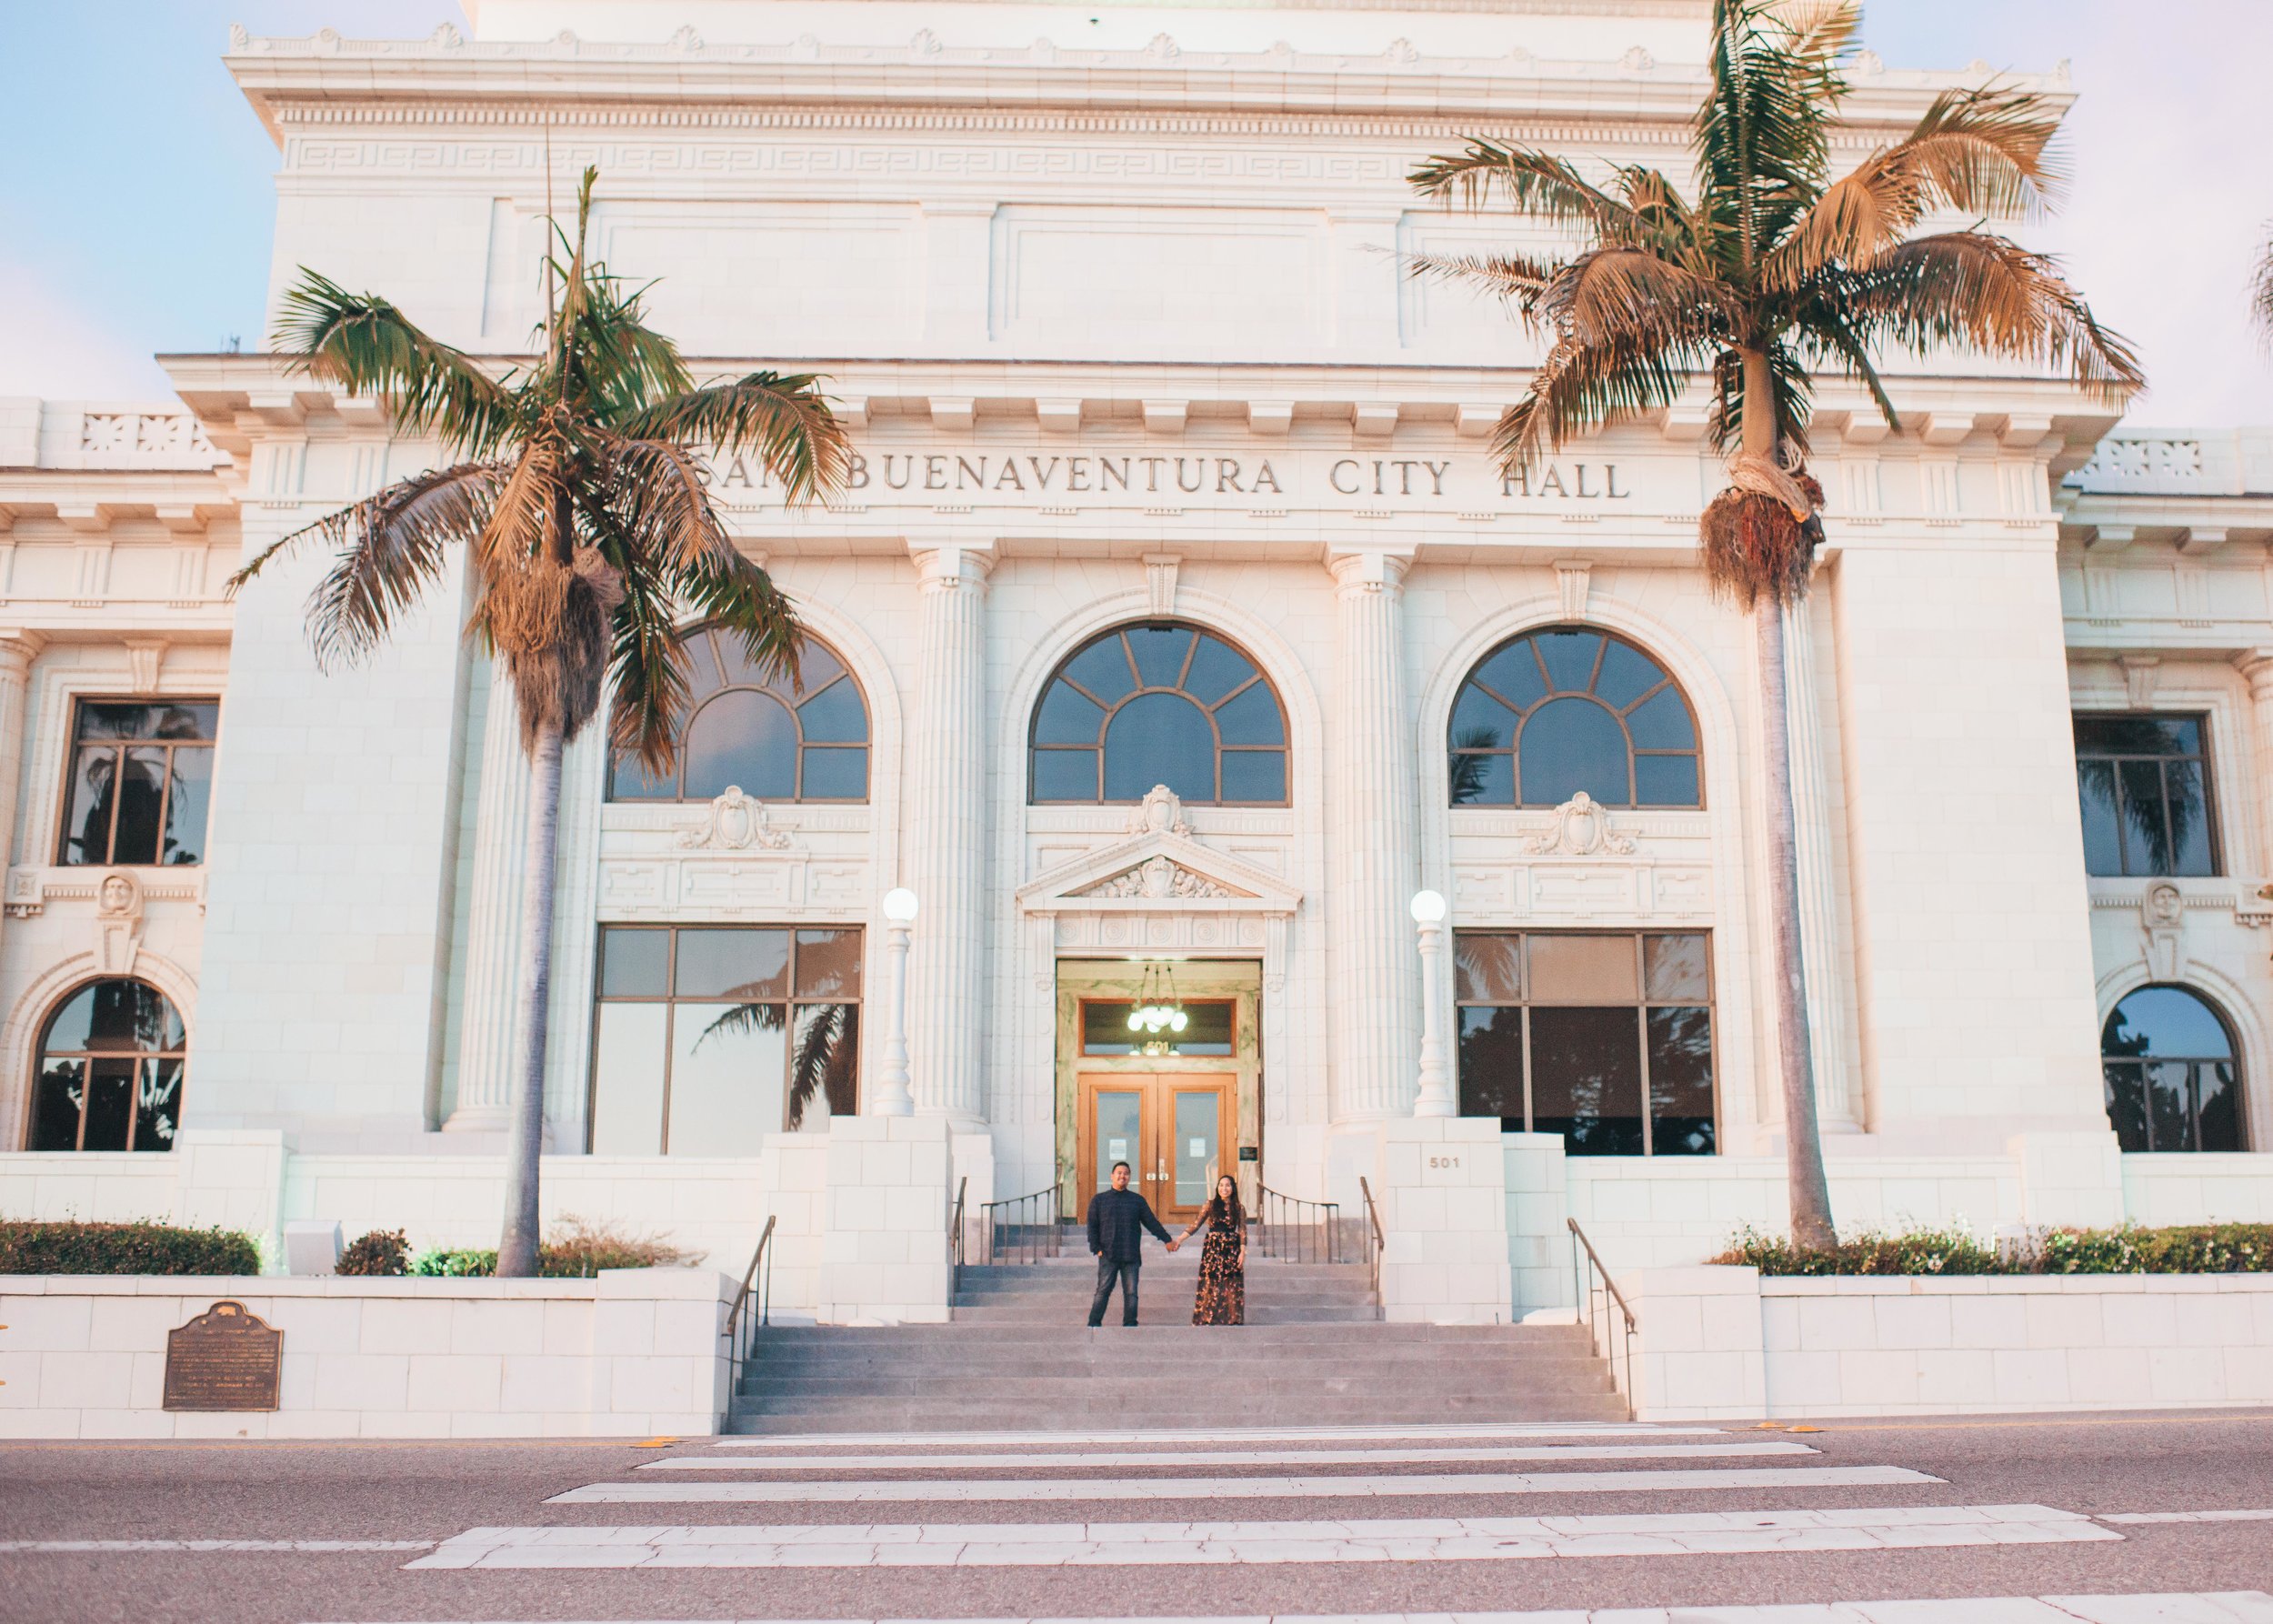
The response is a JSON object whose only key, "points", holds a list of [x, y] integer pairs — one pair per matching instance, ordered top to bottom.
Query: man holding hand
{"points": [[1118, 1221]]}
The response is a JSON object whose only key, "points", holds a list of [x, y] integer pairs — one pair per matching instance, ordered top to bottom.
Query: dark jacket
{"points": [[1117, 1219]]}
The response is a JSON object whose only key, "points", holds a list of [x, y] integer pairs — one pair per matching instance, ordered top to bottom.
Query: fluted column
{"points": [[17, 651], [2255, 665], [1370, 833], [946, 835], [1819, 882], [493, 924]]}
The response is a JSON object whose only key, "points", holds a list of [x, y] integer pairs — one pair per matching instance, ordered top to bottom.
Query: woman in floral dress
{"points": [[1223, 1259]]}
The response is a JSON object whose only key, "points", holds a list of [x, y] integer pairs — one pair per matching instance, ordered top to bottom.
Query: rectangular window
{"points": [[141, 777], [2144, 781], [1105, 1030], [1605, 1038], [708, 1039]]}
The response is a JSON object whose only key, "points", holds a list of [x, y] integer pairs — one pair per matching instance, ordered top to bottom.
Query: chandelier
{"points": [[1158, 1010]]}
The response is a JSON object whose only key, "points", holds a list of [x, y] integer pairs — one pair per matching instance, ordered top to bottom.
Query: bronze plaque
{"points": [[225, 1359]]}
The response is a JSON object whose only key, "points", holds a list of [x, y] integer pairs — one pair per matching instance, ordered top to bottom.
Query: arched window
{"points": [[1160, 704], [1552, 713], [762, 735], [110, 1071], [2173, 1082]]}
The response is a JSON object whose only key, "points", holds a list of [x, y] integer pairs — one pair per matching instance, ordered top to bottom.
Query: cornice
{"points": [[566, 79]]}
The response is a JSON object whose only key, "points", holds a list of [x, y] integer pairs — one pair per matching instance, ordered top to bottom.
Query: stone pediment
{"points": [[1158, 867]]}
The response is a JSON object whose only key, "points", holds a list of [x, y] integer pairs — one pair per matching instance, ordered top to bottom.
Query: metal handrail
{"points": [[1021, 1229], [1297, 1230], [955, 1235], [1380, 1242], [1587, 1292], [741, 1334]]}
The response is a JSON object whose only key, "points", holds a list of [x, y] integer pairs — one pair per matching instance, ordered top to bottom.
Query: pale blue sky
{"points": [[135, 201]]}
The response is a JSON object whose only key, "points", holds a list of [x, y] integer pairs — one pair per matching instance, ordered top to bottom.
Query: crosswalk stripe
{"points": [[1212, 1435], [1123, 1457], [1354, 1487], [2146, 1517], [1408, 1539], [108, 1547], [2181, 1606]]}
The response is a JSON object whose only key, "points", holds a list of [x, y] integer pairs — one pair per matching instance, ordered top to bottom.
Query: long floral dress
{"points": [[1222, 1283]]}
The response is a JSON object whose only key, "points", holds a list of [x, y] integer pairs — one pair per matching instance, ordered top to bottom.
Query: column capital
{"points": [[949, 568], [1375, 570], [18, 649], [2257, 664]]}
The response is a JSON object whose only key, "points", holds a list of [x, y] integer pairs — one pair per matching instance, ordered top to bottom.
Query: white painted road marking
{"points": [[1216, 1435], [1123, 1457], [1353, 1486], [2143, 1517], [1401, 1539], [108, 1547], [2188, 1607]]}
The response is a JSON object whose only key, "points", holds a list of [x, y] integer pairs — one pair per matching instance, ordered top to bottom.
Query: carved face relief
{"points": [[116, 895], [2164, 905]]}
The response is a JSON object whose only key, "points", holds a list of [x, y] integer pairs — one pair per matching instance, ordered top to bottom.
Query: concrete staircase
{"points": [[1018, 1354]]}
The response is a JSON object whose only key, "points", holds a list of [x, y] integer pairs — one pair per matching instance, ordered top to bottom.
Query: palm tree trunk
{"points": [[1810, 1191], [516, 1250]]}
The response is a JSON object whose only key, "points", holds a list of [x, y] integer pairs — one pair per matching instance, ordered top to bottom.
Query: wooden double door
{"points": [[1174, 1130]]}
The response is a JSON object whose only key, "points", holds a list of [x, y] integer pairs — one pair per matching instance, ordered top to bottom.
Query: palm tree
{"points": [[1775, 269], [577, 485]]}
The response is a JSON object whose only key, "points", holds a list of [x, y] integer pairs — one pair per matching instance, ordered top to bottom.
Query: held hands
{"points": [[1174, 1244]]}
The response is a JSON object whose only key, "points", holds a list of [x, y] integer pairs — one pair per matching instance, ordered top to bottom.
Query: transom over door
{"points": [[1170, 1127]]}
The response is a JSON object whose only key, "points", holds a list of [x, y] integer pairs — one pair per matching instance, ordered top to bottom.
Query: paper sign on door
{"points": [[1199, 1147], [1116, 1148]]}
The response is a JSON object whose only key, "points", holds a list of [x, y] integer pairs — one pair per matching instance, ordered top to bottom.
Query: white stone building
{"points": [[1165, 477]]}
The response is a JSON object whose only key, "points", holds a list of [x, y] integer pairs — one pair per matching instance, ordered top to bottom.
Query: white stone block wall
{"points": [[1442, 1188], [2223, 1189], [1539, 1241], [883, 1250], [1861, 1346], [630, 1353]]}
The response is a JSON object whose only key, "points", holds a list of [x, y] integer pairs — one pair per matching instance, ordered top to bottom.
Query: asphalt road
{"points": [[427, 1495]]}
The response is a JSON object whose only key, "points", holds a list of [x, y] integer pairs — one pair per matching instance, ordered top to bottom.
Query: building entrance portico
{"points": [[1173, 1130]]}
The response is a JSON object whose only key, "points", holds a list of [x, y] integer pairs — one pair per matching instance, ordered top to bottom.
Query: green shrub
{"points": [[136, 1248], [2201, 1249], [575, 1250], [379, 1252]]}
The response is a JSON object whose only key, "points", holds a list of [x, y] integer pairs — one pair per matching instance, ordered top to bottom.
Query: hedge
{"points": [[138, 1248], [2194, 1249], [574, 1250]]}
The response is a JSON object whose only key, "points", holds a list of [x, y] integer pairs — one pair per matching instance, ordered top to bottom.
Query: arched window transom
{"points": [[1160, 703], [1552, 713], [761, 734], [110, 1071], [2173, 1080]]}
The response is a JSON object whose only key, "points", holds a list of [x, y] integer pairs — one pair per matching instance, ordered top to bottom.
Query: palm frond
{"points": [[1763, 132], [1980, 151], [1535, 182], [1514, 277], [2261, 288], [1990, 295], [1627, 297], [365, 344], [1579, 387], [780, 417], [656, 489], [392, 544], [741, 601], [649, 673], [743, 1020], [814, 1057]]}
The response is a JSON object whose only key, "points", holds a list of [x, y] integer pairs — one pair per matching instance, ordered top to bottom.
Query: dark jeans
{"points": [[1109, 1271]]}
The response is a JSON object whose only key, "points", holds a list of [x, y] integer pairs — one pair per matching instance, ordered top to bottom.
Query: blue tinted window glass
{"points": [[1160, 654], [1570, 657], [1103, 669], [1216, 669], [1627, 674], [1514, 675], [835, 714], [1067, 717], [1252, 719], [1481, 722], [1663, 724], [743, 739], [1159, 739], [1570, 745], [834, 773], [1065, 775], [1253, 776], [1483, 780], [1664, 781], [2103, 828], [2156, 1022]]}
